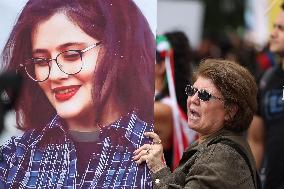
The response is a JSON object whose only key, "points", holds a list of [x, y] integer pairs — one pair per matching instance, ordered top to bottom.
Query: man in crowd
{"points": [[266, 134]]}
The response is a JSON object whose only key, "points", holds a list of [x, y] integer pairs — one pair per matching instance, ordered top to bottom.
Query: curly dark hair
{"points": [[237, 87]]}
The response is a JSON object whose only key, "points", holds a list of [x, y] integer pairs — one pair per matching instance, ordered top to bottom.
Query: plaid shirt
{"points": [[47, 158]]}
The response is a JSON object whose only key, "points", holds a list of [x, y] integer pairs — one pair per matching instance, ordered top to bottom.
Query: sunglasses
{"points": [[203, 95]]}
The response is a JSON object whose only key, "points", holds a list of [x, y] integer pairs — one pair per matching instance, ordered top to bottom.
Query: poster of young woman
{"points": [[87, 94]]}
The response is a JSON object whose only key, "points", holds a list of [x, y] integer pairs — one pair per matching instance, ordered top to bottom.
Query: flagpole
{"points": [[172, 92]]}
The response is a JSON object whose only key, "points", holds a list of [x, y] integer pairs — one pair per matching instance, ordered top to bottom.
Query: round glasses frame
{"points": [[80, 52]]}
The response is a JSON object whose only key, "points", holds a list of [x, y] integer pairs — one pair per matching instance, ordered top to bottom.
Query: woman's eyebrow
{"points": [[63, 47], [39, 51]]}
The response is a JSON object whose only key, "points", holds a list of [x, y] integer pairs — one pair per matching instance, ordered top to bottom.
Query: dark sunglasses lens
{"points": [[189, 90], [204, 95]]}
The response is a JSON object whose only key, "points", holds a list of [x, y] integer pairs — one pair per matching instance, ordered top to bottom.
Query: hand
{"points": [[152, 154]]}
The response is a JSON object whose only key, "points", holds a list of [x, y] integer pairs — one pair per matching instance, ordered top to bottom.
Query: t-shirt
{"points": [[271, 109], [85, 145]]}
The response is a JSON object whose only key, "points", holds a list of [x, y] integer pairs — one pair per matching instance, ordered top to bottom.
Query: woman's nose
{"points": [[55, 72], [193, 99]]}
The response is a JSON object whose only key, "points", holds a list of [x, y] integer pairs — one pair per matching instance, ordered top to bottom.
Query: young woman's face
{"points": [[70, 95]]}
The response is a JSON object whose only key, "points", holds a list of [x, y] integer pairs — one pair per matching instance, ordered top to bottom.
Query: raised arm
{"points": [[256, 139]]}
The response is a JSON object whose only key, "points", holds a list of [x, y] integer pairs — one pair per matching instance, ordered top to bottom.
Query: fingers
{"points": [[154, 136], [157, 142], [144, 147], [147, 151], [144, 152], [141, 153], [150, 153], [141, 159]]}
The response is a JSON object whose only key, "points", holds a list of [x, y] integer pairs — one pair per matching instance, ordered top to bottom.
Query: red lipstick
{"points": [[64, 93]]}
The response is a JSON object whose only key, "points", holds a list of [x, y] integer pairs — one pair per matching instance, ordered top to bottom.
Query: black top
{"points": [[271, 109], [85, 145]]}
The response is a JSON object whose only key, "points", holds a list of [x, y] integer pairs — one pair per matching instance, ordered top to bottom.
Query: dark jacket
{"points": [[211, 165]]}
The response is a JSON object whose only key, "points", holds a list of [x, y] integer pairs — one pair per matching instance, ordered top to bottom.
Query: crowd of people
{"points": [[266, 66]]}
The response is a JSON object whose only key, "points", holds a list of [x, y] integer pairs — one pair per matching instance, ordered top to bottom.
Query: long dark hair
{"points": [[182, 65], [125, 70]]}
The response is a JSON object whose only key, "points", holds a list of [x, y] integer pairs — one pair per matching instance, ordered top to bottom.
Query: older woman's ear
{"points": [[231, 112]]}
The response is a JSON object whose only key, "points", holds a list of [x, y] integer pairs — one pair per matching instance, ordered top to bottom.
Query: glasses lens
{"points": [[70, 62], [37, 69], [189, 90], [204, 95]]}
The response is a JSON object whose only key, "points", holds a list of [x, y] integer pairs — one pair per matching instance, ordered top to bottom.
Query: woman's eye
{"points": [[70, 56], [40, 61]]}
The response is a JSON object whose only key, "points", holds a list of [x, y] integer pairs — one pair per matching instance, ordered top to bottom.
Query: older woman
{"points": [[221, 103]]}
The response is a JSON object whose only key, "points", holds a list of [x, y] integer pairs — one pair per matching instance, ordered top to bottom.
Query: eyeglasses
{"points": [[69, 62], [202, 94]]}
